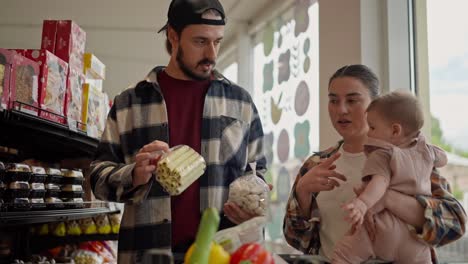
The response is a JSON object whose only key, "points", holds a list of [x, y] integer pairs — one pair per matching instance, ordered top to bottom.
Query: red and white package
{"points": [[49, 35], [70, 43], [18, 82], [52, 84], [74, 102]]}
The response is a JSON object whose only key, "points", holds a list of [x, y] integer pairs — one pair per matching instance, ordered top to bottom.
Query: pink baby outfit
{"points": [[408, 168]]}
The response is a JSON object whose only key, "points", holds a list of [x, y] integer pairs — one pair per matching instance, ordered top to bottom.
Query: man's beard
{"points": [[187, 71]]}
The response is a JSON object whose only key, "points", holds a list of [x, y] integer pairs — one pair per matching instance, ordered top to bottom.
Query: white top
{"points": [[332, 224]]}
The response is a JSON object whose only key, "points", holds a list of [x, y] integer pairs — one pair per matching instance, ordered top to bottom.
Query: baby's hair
{"points": [[400, 107]]}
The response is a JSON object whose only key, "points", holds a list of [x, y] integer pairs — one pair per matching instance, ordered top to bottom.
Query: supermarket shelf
{"points": [[43, 139], [35, 217], [45, 242]]}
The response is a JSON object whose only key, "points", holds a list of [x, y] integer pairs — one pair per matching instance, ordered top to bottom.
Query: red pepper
{"points": [[251, 253]]}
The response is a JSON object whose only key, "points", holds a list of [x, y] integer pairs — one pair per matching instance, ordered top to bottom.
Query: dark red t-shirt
{"points": [[184, 103]]}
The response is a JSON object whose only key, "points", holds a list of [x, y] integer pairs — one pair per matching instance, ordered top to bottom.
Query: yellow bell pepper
{"points": [[217, 254]]}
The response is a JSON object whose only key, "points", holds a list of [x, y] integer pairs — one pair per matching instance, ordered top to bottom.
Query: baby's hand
{"points": [[356, 211]]}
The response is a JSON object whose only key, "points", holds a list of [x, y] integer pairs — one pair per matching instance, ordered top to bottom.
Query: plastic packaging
{"points": [[17, 172], [38, 174], [54, 175], [72, 177], [71, 191], [250, 193], [250, 231], [87, 257]]}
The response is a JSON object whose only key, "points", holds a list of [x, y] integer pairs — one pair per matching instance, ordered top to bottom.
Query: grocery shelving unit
{"points": [[37, 137], [41, 139], [10, 219], [38, 243]]}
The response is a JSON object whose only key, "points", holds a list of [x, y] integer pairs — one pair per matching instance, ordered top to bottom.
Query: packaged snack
{"points": [[49, 35], [70, 44], [93, 67], [5, 69], [19, 79], [95, 82], [52, 85], [74, 102], [93, 109], [2, 171], [17, 172], [38, 174], [54, 176], [72, 177], [3, 188], [18, 189], [37, 190], [52, 190], [71, 191], [250, 193], [37, 203], [54, 203], [73, 203], [19, 204], [114, 220], [87, 225], [103, 225], [73, 228], [43, 229], [58, 229], [87, 257]]}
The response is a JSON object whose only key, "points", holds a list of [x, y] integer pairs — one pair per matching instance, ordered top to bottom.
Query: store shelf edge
{"points": [[37, 136], [46, 216]]}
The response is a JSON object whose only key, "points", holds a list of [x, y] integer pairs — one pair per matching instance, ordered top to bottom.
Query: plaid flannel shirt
{"points": [[231, 142], [445, 217]]}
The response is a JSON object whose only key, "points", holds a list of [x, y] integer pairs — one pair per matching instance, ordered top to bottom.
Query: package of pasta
{"points": [[19, 79], [52, 83], [178, 168], [250, 193]]}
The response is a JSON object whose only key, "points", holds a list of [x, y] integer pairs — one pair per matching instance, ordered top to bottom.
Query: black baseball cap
{"points": [[188, 12]]}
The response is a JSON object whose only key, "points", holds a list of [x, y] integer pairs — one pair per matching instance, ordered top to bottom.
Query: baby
{"points": [[398, 158]]}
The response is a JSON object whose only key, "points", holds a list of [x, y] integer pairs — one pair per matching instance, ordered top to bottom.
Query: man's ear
{"points": [[173, 37], [397, 129]]}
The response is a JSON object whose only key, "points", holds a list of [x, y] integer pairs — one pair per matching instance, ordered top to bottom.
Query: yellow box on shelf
{"points": [[93, 67], [94, 110]]}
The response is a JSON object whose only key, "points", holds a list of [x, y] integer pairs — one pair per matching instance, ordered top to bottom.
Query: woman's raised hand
{"points": [[322, 177]]}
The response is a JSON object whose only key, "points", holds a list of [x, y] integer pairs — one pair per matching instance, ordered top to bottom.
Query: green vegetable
{"points": [[208, 226]]}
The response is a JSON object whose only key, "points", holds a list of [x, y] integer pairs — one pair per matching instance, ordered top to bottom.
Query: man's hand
{"points": [[145, 161], [235, 214]]}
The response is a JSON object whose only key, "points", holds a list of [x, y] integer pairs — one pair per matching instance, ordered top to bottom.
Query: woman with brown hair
{"points": [[314, 220]]}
